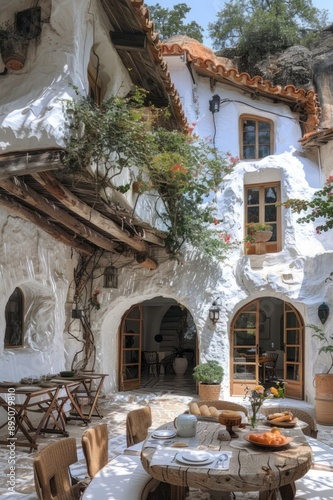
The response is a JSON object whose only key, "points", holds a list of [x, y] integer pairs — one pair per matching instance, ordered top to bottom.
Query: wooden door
{"points": [[293, 335], [130, 349], [245, 349]]}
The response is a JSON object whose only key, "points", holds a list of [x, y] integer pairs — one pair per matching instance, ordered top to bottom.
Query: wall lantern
{"points": [[214, 104], [110, 277], [323, 312], [214, 313]]}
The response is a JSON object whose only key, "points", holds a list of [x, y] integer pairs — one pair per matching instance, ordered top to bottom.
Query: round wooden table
{"points": [[251, 469]]}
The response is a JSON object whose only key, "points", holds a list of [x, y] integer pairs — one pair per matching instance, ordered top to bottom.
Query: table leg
{"points": [[177, 492], [288, 492], [268, 495]]}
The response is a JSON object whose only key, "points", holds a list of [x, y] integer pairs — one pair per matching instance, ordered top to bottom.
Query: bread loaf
{"points": [[194, 409], [204, 410], [214, 411], [286, 416]]}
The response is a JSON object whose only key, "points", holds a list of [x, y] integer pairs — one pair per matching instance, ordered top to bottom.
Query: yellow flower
{"points": [[259, 388], [274, 391]]}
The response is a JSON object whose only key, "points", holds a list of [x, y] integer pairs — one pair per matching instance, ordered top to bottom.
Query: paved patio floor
{"points": [[167, 396]]}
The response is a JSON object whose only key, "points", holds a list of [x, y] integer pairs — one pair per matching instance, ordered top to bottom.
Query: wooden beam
{"points": [[128, 41], [30, 162], [20, 190], [73, 203], [18, 210]]}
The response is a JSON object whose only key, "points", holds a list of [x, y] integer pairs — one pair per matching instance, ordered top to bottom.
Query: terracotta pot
{"points": [[14, 52], [262, 236], [324, 398]]}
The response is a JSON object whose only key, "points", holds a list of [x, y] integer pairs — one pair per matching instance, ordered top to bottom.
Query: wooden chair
{"points": [[151, 362], [270, 366], [223, 405], [137, 425], [309, 430], [95, 448], [51, 471]]}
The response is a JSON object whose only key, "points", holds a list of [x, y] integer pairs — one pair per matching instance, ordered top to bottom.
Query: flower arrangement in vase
{"points": [[257, 397]]}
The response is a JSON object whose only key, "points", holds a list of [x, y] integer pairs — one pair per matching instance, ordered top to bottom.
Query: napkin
{"points": [[168, 456]]}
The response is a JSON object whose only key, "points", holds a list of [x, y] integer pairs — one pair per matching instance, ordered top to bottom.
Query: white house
{"points": [[50, 230]]}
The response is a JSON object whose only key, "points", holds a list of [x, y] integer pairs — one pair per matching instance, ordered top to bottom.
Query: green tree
{"points": [[170, 22], [259, 27], [321, 206]]}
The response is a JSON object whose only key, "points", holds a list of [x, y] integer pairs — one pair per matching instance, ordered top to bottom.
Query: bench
{"points": [[123, 478]]}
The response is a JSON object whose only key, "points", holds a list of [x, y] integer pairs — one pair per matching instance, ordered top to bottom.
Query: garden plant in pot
{"points": [[258, 233], [177, 360], [210, 376], [324, 381]]}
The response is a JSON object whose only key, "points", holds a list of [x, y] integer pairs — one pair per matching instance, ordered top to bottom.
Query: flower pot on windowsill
{"points": [[260, 239]]}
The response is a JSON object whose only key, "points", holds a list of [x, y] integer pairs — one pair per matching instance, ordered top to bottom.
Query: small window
{"points": [[256, 138], [261, 206], [14, 320]]}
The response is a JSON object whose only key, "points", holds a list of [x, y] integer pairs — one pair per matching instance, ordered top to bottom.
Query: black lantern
{"points": [[214, 104], [110, 277], [323, 312], [214, 313]]}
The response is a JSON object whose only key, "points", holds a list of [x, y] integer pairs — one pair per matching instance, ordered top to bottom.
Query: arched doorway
{"points": [[161, 325], [264, 328]]}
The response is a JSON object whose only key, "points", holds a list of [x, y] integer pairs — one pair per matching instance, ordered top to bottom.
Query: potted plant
{"points": [[13, 47], [258, 233], [177, 359], [209, 375], [324, 381]]}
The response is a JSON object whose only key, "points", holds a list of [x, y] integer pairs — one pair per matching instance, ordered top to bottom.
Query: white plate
{"points": [[163, 434], [195, 459]]}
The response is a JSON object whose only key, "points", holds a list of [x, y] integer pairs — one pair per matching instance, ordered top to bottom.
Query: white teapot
{"points": [[186, 425]]}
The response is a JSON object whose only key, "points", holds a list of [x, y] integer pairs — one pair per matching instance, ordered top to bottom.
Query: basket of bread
{"points": [[204, 412], [282, 419]]}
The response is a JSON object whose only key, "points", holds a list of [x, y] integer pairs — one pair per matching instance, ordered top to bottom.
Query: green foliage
{"points": [[169, 22], [260, 27], [178, 169], [320, 206], [255, 227], [326, 341], [208, 373]]}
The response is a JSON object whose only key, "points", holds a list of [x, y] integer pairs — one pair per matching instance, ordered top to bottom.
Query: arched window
{"points": [[256, 137], [14, 320]]}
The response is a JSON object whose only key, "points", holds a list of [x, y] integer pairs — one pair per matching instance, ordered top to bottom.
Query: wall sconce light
{"points": [[214, 104], [110, 277], [323, 312], [214, 313]]}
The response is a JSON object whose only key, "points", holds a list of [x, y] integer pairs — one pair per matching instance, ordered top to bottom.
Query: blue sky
{"points": [[204, 11]]}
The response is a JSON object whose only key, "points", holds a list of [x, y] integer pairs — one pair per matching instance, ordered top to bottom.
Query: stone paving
{"points": [[167, 399]]}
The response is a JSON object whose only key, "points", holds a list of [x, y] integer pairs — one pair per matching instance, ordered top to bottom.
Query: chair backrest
{"points": [[274, 356], [150, 357], [223, 405], [137, 425], [309, 430], [95, 448], [51, 471]]}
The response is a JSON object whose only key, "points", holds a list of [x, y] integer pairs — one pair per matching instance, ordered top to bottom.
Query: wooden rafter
{"points": [[27, 163], [23, 192], [73, 203]]}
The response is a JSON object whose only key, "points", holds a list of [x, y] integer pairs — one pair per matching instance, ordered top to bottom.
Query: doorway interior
{"points": [[154, 330], [267, 344]]}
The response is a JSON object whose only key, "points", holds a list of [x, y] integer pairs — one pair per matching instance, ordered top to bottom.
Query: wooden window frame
{"points": [[257, 120], [271, 246], [8, 345]]}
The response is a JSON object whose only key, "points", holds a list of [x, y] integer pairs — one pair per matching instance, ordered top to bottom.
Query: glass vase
{"points": [[254, 415]]}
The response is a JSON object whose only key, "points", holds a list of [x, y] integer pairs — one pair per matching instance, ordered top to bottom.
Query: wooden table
{"points": [[87, 390], [21, 402], [265, 471]]}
